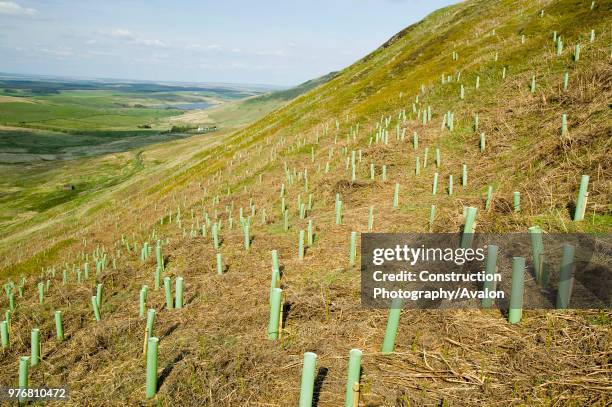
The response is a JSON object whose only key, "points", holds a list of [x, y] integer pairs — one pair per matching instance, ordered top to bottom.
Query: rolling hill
{"points": [[481, 90]]}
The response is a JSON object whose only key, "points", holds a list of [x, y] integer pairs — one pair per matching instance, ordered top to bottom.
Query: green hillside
{"points": [[482, 70], [292, 93]]}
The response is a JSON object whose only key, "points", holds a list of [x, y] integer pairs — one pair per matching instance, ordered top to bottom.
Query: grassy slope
{"points": [[215, 352]]}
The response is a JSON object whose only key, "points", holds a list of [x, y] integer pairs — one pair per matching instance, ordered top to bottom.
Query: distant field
{"points": [[90, 106], [84, 111], [50, 120], [64, 144]]}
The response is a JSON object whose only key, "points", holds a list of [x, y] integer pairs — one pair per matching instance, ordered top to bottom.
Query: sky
{"points": [[226, 41]]}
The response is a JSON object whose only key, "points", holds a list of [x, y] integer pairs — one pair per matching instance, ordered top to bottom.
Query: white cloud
{"points": [[14, 9], [120, 33], [131, 38], [149, 42], [202, 47], [57, 51]]}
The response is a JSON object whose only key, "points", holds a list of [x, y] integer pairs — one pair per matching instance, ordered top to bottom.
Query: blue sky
{"points": [[265, 42]]}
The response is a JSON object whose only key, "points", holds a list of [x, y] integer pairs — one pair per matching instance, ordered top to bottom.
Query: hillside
{"points": [[480, 67], [292, 93], [239, 113]]}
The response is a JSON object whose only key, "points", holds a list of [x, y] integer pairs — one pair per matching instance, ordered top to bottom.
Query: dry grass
{"points": [[215, 351]]}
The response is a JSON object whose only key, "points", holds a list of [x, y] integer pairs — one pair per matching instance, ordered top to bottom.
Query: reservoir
{"points": [[190, 106]]}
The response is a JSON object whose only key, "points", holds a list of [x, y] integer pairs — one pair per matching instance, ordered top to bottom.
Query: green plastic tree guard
{"points": [[577, 53], [565, 80], [532, 87], [564, 124], [482, 142], [464, 175], [450, 184], [434, 188], [396, 196], [489, 197], [582, 199], [516, 200], [339, 213], [432, 215], [371, 218], [468, 229], [215, 233], [310, 233], [247, 237], [301, 245], [353, 249], [537, 250], [159, 256], [219, 264], [275, 264], [490, 269], [566, 279], [274, 282], [99, 289], [168, 291], [41, 292], [179, 293], [516, 294], [142, 302], [96, 307], [275, 313], [150, 322], [59, 326], [4, 334], [388, 345], [35, 347], [23, 375], [353, 377], [151, 378], [308, 378]]}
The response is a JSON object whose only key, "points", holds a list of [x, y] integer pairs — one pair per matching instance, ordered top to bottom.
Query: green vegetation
{"points": [[215, 350]]}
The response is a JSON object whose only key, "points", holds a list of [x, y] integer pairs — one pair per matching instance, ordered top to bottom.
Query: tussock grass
{"points": [[214, 351]]}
